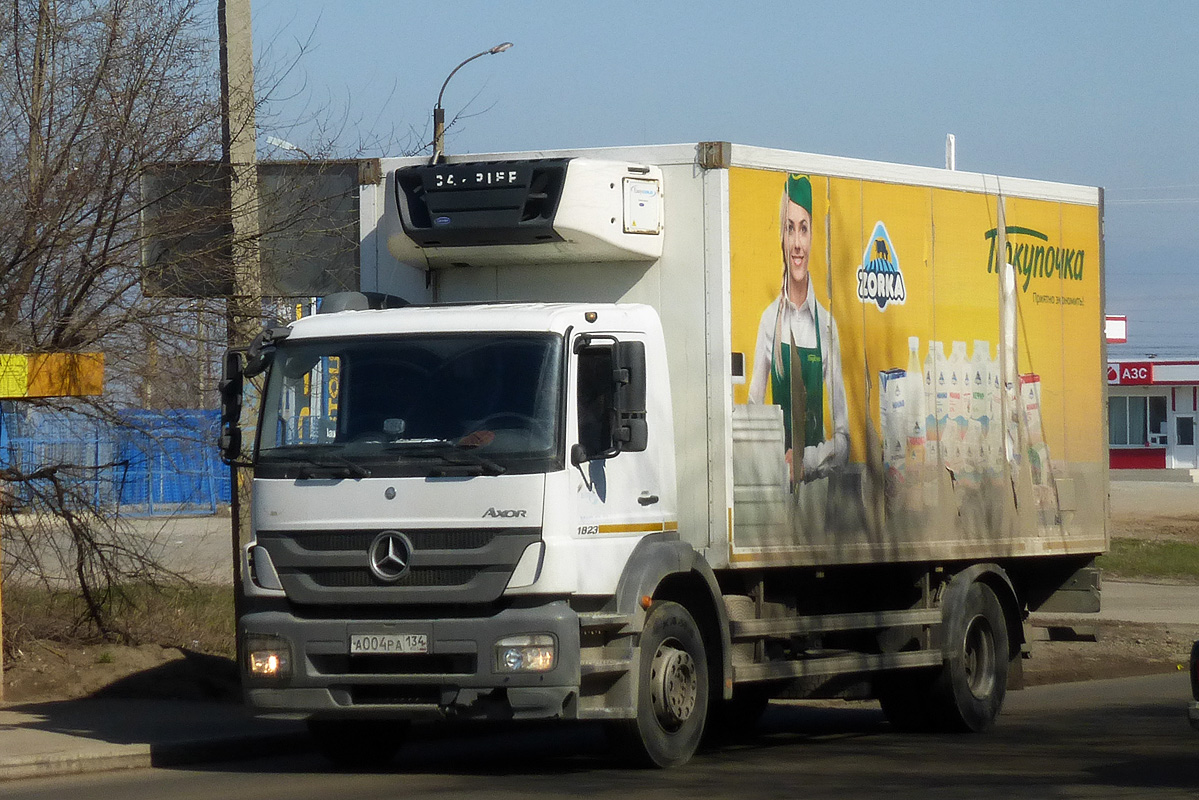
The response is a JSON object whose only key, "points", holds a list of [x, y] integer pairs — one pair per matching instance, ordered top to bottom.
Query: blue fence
{"points": [[149, 463]]}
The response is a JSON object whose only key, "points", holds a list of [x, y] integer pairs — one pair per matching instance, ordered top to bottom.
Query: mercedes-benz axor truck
{"points": [[653, 435]]}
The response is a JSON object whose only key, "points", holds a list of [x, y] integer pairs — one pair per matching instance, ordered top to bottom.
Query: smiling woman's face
{"points": [[797, 241]]}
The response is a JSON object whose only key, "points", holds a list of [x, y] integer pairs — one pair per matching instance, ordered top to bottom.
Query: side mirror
{"points": [[262, 350], [231, 386], [630, 433], [578, 455]]}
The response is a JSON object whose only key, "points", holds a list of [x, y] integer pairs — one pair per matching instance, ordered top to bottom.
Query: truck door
{"points": [[617, 490]]}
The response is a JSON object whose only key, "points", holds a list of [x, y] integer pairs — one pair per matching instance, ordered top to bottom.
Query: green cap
{"points": [[799, 190]]}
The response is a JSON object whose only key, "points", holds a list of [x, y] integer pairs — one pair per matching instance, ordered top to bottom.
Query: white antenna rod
{"points": [[951, 151]]}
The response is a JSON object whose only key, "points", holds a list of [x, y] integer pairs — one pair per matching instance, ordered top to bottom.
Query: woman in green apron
{"points": [[798, 349]]}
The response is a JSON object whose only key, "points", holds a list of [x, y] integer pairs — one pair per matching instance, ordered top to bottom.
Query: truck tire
{"points": [[672, 692], [968, 692], [358, 743]]}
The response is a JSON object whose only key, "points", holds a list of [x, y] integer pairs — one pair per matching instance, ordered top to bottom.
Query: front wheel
{"points": [[672, 691]]}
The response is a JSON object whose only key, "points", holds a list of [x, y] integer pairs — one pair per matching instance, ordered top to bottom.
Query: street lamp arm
{"points": [[455, 70], [439, 112]]}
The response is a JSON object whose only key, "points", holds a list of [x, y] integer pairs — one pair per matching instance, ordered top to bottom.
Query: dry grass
{"points": [[1152, 559], [198, 618]]}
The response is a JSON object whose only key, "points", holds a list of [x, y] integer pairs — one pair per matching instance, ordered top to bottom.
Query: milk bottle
{"points": [[936, 396], [958, 406], [980, 406], [893, 415], [995, 422], [917, 429], [1038, 452]]}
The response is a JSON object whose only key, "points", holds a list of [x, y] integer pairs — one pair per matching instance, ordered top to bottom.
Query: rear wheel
{"points": [[672, 691], [968, 693], [359, 743]]}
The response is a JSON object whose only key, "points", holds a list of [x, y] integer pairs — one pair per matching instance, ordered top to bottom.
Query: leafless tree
{"points": [[93, 92], [96, 97]]}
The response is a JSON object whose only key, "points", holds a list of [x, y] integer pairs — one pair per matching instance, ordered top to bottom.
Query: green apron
{"points": [[806, 387]]}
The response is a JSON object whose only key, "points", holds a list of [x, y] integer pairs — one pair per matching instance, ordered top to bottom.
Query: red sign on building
{"points": [[1130, 373]]}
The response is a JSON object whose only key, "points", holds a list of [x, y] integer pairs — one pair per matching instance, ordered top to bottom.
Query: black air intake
{"points": [[484, 203]]}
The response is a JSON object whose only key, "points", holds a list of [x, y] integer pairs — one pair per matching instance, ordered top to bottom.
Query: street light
{"points": [[439, 112], [283, 144]]}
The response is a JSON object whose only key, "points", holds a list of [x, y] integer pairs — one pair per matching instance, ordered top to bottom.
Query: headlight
{"points": [[532, 653], [268, 656]]}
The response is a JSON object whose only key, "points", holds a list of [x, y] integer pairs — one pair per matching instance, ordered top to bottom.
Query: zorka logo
{"points": [[1036, 258], [879, 278], [504, 512]]}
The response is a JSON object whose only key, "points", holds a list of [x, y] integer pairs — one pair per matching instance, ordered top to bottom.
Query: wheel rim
{"points": [[978, 658], [674, 685]]}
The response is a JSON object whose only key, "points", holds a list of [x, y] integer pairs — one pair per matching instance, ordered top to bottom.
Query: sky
{"points": [[1096, 93]]}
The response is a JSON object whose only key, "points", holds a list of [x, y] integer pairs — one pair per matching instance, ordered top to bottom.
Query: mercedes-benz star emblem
{"points": [[389, 556]]}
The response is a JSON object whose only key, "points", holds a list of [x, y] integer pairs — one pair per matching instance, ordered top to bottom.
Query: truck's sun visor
{"points": [[531, 211]]}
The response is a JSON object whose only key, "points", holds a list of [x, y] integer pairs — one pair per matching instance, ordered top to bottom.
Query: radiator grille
{"points": [[333, 541], [446, 565], [448, 576]]}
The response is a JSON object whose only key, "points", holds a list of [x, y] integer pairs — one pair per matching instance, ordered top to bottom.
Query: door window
{"points": [[595, 398], [1185, 429]]}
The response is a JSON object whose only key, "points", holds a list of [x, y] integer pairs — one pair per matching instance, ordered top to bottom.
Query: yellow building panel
{"points": [[66, 374], [14, 375], [51, 375]]}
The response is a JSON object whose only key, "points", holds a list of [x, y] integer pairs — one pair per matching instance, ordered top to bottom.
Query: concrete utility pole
{"points": [[239, 157]]}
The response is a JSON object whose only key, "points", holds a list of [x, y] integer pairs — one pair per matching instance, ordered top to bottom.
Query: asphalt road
{"points": [[1125, 738]]}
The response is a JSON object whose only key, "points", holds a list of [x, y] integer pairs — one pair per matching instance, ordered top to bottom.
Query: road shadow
{"points": [[195, 676], [184, 711], [556, 748], [1156, 772]]}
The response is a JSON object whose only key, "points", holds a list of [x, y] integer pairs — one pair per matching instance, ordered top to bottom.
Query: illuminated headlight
{"points": [[533, 653], [268, 657]]}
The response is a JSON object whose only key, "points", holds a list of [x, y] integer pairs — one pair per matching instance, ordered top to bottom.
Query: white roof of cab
{"points": [[501, 317]]}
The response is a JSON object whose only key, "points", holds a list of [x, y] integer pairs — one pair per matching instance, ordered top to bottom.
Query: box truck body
{"points": [[771, 424]]}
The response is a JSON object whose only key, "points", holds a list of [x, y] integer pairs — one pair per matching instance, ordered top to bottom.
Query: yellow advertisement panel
{"points": [[874, 422]]}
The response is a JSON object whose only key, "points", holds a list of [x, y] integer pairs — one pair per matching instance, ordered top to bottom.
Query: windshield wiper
{"points": [[451, 453], [465, 458], [324, 460], [333, 462]]}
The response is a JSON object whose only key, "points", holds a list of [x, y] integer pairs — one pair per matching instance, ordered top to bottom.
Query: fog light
{"points": [[534, 653], [268, 657]]}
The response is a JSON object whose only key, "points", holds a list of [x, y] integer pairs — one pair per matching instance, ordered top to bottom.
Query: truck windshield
{"points": [[428, 404]]}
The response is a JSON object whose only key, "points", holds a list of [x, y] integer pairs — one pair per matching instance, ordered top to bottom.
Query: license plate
{"points": [[389, 643]]}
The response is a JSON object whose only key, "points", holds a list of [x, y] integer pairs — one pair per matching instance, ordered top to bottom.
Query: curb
{"points": [[140, 756]]}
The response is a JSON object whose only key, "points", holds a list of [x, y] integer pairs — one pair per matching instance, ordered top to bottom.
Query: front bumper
{"points": [[456, 678]]}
